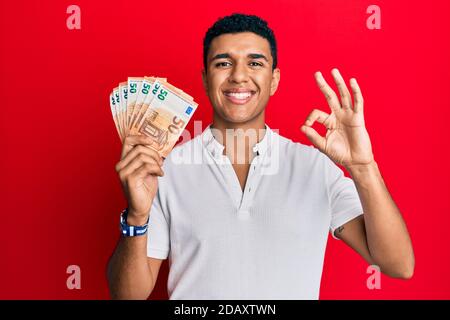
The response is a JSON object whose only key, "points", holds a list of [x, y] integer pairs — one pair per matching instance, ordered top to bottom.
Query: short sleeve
{"points": [[344, 201], [158, 241]]}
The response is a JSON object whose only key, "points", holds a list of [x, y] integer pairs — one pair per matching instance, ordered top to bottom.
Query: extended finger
{"points": [[329, 94], [357, 95], [346, 99]]}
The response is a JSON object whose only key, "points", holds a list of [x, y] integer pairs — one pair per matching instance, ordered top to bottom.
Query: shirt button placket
{"points": [[244, 213]]}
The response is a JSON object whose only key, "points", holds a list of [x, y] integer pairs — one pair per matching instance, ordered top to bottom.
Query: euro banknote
{"points": [[153, 107]]}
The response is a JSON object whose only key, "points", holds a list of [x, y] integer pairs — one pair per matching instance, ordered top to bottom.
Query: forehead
{"points": [[240, 43]]}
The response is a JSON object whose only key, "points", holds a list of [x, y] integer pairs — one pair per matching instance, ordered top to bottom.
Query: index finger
{"points": [[133, 140]]}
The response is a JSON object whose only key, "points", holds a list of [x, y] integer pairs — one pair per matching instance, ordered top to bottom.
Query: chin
{"points": [[239, 117], [238, 120]]}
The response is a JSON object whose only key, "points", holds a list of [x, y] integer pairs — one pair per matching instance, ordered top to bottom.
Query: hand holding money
{"points": [[152, 107], [149, 114], [138, 170]]}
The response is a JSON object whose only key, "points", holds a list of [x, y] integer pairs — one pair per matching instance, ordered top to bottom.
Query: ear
{"points": [[275, 81], [205, 82]]}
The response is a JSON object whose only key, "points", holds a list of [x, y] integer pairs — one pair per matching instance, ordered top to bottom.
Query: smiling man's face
{"points": [[239, 78]]}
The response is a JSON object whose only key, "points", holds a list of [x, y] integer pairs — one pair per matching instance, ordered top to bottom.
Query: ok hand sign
{"points": [[346, 141]]}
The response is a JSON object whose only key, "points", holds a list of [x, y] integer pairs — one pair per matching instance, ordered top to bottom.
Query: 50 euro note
{"points": [[150, 86], [134, 87], [144, 92], [123, 94], [147, 96], [116, 97], [112, 103], [166, 117]]}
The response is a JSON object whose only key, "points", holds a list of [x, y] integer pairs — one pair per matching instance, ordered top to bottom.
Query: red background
{"points": [[59, 193]]}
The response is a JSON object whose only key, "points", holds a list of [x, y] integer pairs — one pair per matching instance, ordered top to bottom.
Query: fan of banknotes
{"points": [[153, 107]]}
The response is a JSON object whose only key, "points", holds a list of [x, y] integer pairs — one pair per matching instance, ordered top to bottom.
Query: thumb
{"points": [[316, 139]]}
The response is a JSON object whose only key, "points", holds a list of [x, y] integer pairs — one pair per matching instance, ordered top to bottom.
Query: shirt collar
{"points": [[215, 148]]}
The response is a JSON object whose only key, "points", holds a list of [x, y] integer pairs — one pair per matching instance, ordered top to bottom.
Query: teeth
{"points": [[239, 95]]}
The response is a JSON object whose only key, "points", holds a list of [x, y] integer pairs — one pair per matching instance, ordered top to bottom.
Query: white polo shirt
{"points": [[267, 242]]}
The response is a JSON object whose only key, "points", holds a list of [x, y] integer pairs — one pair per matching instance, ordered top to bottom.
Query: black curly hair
{"points": [[238, 22]]}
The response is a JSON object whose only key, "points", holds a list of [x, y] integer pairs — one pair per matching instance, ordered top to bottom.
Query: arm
{"points": [[382, 230], [380, 236], [131, 274]]}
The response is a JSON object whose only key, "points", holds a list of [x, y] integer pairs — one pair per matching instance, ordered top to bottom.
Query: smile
{"points": [[239, 96]]}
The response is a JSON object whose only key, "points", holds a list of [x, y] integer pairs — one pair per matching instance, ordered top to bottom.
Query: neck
{"points": [[239, 138]]}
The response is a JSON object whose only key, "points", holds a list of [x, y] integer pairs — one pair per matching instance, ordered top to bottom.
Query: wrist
{"points": [[361, 170], [136, 219], [132, 226]]}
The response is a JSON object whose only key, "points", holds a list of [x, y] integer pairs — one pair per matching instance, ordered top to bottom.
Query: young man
{"points": [[251, 222]]}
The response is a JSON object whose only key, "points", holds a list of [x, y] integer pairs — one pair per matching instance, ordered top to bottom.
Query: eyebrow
{"points": [[250, 55]]}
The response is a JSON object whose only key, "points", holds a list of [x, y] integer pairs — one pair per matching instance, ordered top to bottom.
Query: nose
{"points": [[239, 73]]}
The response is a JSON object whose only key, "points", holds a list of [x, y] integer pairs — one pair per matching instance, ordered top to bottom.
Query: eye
{"points": [[222, 64], [256, 64]]}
